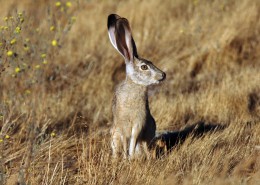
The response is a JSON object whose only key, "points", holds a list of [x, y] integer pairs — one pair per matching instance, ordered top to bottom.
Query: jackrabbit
{"points": [[132, 120]]}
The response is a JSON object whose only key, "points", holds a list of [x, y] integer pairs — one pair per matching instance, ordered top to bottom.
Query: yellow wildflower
{"points": [[58, 3], [68, 4], [20, 14], [5, 18], [6, 27], [52, 28], [18, 29], [27, 40], [13, 41], [54, 43], [26, 48], [9, 53], [43, 55], [44, 62], [37, 67], [17, 69], [27, 91], [53, 134], [7, 136], [1, 140]]}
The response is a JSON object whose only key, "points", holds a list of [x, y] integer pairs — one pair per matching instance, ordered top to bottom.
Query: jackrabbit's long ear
{"points": [[120, 36]]}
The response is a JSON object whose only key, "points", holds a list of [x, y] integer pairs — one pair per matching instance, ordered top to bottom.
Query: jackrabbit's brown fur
{"points": [[132, 120]]}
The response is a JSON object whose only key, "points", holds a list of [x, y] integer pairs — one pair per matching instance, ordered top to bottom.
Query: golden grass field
{"points": [[58, 71]]}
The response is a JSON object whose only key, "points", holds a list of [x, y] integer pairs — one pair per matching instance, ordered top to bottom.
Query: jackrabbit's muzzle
{"points": [[160, 76]]}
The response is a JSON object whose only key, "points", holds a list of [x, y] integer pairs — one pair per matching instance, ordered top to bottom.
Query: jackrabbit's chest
{"points": [[131, 108]]}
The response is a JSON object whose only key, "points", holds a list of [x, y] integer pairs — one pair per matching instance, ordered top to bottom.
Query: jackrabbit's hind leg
{"points": [[134, 139], [124, 142], [115, 144], [132, 146], [138, 149]]}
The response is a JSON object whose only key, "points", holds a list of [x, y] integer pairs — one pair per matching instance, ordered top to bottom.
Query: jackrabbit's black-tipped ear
{"points": [[111, 27], [120, 36]]}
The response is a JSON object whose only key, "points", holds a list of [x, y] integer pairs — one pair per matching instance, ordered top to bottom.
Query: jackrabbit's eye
{"points": [[144, 67]]}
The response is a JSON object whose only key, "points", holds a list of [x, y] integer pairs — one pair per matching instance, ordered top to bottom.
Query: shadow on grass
{"points": [[165, 141]]}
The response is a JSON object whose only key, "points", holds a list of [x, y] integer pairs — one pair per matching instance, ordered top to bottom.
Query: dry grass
{"points": [[55, 111]]}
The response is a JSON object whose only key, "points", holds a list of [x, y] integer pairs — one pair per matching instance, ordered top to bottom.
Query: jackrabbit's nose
{"points": [[163, 76]]}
